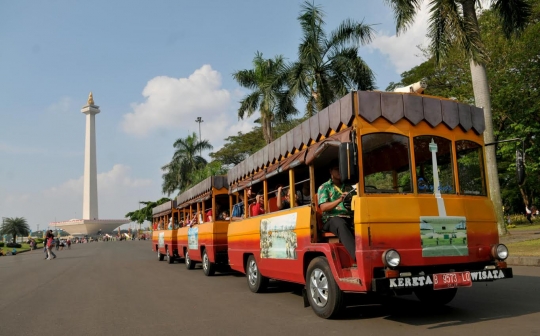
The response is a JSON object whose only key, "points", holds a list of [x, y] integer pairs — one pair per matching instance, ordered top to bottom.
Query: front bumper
{"points": [[386, 285]]}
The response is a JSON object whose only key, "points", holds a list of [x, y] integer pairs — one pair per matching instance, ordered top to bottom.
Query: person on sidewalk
{"points": [[50, 242]]}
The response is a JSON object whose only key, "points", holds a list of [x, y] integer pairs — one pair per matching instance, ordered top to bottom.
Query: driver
{"points": [[336, 218]]}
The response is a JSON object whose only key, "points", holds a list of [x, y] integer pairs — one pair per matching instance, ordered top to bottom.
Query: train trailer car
{"points": [[204, 216], [165, 231]]}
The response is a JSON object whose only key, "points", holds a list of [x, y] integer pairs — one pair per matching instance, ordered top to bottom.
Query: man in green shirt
{"points": [[336, 218]]}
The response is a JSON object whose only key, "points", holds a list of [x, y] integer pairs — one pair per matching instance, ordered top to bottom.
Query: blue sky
{"points": [[153, 67]]}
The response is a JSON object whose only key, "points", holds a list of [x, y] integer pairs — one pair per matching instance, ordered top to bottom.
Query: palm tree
{"points": [[454, 23], [329, 66], [269, 95], [185, 160], [145, 213], [15, 227]]}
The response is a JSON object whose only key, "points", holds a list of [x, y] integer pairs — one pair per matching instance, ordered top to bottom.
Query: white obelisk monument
{"points": [[90, 197], [90, 224]]}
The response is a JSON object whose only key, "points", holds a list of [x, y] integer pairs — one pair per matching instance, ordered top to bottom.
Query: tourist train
{"points": [[422, 218]]}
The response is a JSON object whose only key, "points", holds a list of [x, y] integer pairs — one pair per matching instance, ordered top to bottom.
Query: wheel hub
{"points": [[252, 273], [319, 287]]}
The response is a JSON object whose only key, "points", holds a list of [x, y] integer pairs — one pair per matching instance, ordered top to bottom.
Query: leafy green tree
{"points": [[455, 23], [328, 65], [451, 79], [269, 95], [238, 147], [186, 159], [214, 168], [145, 213], [15, 226]]}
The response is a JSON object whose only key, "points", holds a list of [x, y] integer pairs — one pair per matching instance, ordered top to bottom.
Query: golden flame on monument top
{"points": [[90, 99]]}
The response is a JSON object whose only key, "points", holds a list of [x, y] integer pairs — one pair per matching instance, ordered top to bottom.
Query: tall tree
{"points": [[454, 22], [328, 65], [269, 95], [238, 147], [185, 160], [145, 213], [16, 226]]}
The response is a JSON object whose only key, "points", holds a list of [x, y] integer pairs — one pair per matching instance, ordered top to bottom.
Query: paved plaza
{"points": [[119, 288]]}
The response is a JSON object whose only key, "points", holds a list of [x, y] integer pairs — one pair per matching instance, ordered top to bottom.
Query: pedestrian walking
{"points": [[50, 244]]}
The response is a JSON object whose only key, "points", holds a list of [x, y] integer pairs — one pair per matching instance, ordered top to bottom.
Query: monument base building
{"points": [[89, 227]]}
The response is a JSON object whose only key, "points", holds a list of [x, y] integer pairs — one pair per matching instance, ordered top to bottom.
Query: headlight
{"points": [[499, 251], [391, 258]]}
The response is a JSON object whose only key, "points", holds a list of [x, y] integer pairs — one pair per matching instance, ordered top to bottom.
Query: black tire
{"points": [[159, 255], [169, 258], [190, 264], [209, 268], [257, 282], [324, 295], [435, 298]]}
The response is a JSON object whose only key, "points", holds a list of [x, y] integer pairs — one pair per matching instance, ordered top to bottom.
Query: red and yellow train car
{"points": [[419, 207], [204, 215], [164, 234]]}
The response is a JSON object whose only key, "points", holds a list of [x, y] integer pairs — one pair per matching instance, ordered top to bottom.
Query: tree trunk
{"points": [[482, 99], [267, 129], [524, 196]]}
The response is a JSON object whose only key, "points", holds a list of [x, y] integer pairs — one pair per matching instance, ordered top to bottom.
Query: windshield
{"points": [[386, 163], [424, 164], [470, 168]]}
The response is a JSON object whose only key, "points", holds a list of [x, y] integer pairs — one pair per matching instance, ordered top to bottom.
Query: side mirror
{"points": [[348, 167], [520, 167]]}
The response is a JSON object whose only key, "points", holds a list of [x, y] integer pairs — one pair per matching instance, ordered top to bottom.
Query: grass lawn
{"points": [[534, 226], [24, 248], [526, 248]]}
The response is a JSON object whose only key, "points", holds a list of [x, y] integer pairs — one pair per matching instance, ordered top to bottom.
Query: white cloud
{"points": [[402, 50], [175, 103], [64, 105], [118, 191]]}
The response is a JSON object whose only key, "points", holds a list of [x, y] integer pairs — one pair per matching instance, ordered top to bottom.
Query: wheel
{"points": [[159, 255], [170, 259], [189, 263], [208, 268], [257, 282], [324, 295], [434, 298]]}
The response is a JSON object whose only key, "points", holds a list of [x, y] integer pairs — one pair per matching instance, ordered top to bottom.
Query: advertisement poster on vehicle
{"points": [[443, 236], [193, 238], [161, 239], [278, 239]]}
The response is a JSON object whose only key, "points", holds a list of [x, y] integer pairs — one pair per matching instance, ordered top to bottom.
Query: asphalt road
{"points": [[119, 288]]}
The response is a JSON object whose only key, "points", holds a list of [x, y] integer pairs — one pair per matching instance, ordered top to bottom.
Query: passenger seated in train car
{"points": [[303, 196], [283, 198], [238, 208], [257, 208], [209, 215], [224, 215], [336, 218]]}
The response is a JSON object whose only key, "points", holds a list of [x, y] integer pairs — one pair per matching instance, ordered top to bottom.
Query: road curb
{"points": [[523, 261]]}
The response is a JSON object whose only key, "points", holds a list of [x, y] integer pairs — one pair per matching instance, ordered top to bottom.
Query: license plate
{"points": [[452, 280]]}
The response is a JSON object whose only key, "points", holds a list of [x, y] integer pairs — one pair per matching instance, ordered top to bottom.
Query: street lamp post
{"points": [[199, 120], [4, 236]]}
